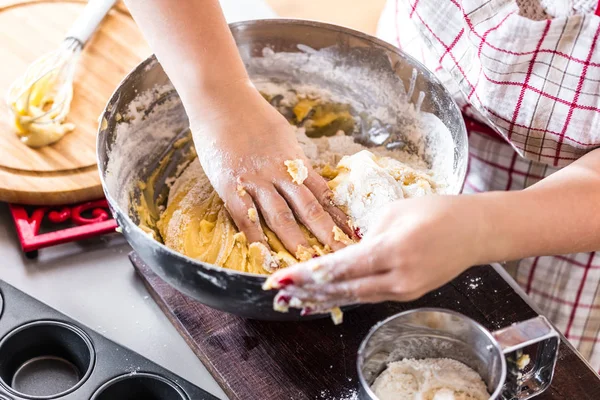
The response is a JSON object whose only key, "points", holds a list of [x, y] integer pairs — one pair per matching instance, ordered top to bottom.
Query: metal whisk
{"points": [[40, 99]]}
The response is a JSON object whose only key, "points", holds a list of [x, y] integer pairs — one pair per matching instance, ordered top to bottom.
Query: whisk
{"points": [[40, 99]]}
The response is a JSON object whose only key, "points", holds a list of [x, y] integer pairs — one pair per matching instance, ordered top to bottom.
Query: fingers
{"points": [[318, 186], [310, 212], [244, 214], [279, 217], [352, 262], [355, 290], [318, 299]]}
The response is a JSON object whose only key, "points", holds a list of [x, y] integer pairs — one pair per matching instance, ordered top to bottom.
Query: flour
{"points": [[348, 81], [152, 121], [367, 183], [429, 379], [351, 394]]}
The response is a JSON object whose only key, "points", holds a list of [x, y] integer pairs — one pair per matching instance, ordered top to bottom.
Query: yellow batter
{"points": [[40, 104], [197, 224]]}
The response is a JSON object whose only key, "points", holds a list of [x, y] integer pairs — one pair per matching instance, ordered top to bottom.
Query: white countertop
{"points": [[94, 283]]}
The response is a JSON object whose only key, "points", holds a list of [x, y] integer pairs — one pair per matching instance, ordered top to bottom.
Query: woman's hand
{"points": [[243, 144], [416, 246]]}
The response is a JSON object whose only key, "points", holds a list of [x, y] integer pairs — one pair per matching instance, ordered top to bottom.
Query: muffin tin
{"points": [[46, 355]]}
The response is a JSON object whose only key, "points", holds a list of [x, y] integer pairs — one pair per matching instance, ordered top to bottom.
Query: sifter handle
{"points": [[85, 25], [513, 339]]}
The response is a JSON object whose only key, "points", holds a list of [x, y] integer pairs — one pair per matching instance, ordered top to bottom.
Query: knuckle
{"points": [[325, 194], [313, 211], [284, 218], [243, 224], [371, 262], [340, 274], [400, 283], [344, 290], [352, 290], [398, 290]]}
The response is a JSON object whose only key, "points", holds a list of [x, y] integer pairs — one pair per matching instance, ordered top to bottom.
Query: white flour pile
{"points": [[368, 179], [366, 183], [429, 379]]}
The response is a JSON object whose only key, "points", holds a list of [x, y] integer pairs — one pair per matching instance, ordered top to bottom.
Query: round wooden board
{"points": [[66, 171]]}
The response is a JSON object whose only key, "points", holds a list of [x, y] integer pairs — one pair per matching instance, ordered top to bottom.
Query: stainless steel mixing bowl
{"points": [[380, 74]]}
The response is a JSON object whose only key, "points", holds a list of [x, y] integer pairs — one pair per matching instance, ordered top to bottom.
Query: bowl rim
{"points": [[237, 25], [360, 354]]}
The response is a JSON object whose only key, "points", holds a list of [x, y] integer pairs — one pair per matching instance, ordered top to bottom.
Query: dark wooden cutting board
{"points": [[317, 360]]}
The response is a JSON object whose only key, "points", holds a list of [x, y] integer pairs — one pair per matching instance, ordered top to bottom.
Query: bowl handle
{"points": [[513, 339]]}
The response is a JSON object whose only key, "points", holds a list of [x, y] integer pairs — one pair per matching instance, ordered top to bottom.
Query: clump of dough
{"points": [[297, 170], [252, 214], [340, 236], [305, 253], [259, 254], [337, 316]]}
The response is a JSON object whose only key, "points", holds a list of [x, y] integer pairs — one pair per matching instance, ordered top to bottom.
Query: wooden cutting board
{"points": [[66, 171], [317, 360]]}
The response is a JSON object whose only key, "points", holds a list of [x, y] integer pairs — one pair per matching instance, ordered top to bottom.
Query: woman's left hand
{"points": [[415, 246]]}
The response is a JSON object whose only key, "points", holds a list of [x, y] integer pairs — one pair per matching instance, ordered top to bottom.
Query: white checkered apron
{"points": [[526, 74]]}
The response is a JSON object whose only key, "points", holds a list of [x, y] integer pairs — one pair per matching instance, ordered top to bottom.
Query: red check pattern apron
{"points": [[527, 76]]}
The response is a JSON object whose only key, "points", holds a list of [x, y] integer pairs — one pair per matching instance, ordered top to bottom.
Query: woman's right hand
{"points": [[243, 144]]}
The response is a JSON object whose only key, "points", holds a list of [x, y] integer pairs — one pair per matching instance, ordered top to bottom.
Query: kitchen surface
{"points": [[99, 283]]}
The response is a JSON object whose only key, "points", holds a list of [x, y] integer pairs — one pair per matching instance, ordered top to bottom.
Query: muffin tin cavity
{"points": [[45, 359], [139, 386]]}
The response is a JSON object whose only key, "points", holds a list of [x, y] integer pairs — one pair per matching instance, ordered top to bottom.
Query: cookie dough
{"points": [[252, 214], [197, 224], [340, 236], [429, 379]]}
